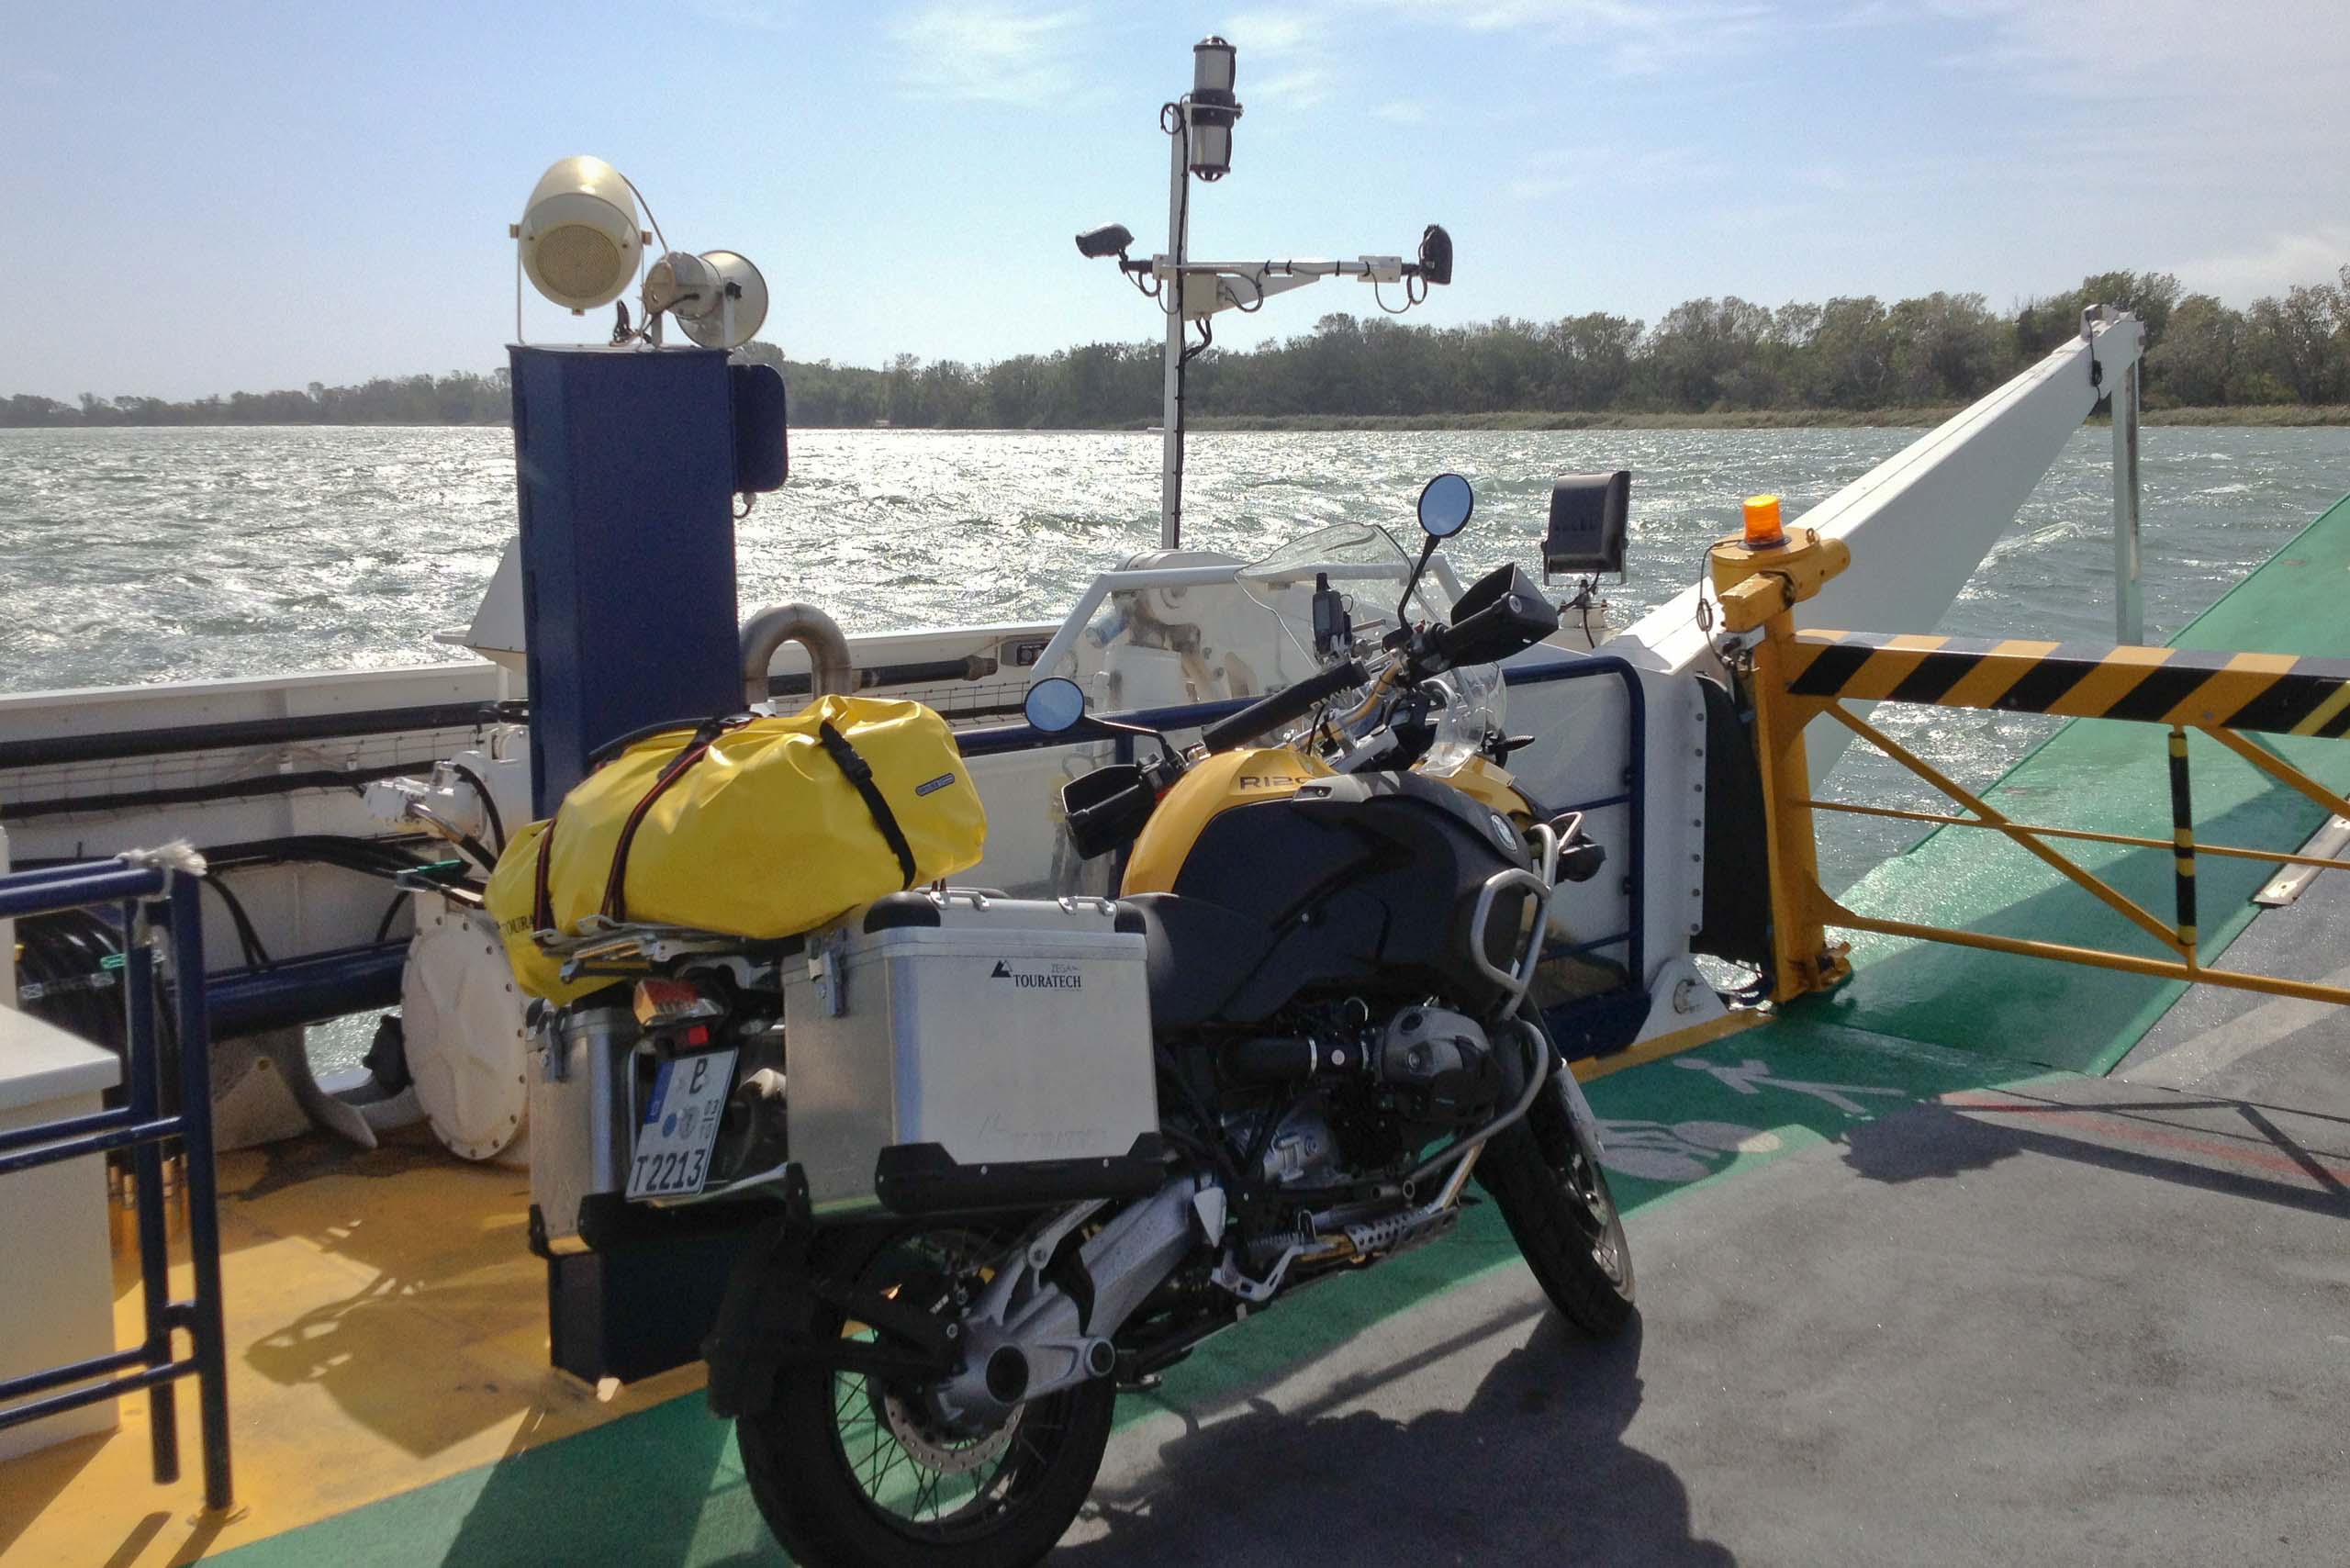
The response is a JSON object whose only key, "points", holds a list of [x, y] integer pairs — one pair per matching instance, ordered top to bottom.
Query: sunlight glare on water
{"points": [[138, 556]]}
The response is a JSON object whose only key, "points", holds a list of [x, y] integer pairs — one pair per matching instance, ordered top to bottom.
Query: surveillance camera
{"points": [[1110, 239]]}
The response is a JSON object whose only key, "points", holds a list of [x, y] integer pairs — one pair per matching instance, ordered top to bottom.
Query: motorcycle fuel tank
{"points": [[1228, 780]]}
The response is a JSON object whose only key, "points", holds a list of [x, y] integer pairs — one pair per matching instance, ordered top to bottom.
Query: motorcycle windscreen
{"points": [[1360, 560]]}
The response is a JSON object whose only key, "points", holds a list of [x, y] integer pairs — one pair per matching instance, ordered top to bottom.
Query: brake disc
{"points": [[936, 1449]]}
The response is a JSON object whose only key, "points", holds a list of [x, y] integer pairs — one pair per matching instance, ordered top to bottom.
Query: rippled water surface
{"points": [[162, 555]]}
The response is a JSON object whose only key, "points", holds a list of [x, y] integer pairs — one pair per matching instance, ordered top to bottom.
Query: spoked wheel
{"points": [[1544, 1174], [853, 1469]]}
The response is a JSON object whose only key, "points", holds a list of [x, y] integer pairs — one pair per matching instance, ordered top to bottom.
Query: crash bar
{"points": [[140, 1126]]}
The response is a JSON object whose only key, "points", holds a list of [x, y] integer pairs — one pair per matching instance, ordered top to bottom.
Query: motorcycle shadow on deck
{"points": [[1534, 1467]]}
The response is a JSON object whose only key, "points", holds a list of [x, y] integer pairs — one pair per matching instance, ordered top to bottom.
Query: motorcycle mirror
{"points": [[1446, 502], [1054, 705]]}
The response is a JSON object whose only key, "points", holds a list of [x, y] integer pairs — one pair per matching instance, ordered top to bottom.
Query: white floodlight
{"points": [[1211, 108], [579, 235], [679, 281], [719, 297]]}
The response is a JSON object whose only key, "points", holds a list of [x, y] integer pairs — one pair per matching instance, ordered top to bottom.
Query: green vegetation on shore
{"points": [[1708, 363]]}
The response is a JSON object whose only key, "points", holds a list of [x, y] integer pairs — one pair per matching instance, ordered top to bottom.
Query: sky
{"points": [[213, 197]]}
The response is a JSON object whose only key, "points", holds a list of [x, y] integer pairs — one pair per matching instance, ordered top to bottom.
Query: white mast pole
{"points": [[1171, 468], [2129, 594]]}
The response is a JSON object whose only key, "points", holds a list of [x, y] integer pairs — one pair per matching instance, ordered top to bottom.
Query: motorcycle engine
{"points": [[1439, 1064], [1435, 1066], [1302, 1145]]}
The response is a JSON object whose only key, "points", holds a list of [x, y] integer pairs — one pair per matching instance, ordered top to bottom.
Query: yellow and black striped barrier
{"points": [[1797, 676], [2269, 693], [2182, 835]]}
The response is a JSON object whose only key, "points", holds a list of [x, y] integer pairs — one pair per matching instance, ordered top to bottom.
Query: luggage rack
{"points": [[134, 886]]}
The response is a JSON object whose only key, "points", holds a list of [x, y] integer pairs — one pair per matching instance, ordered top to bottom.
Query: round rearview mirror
{"points": [[1444, 504], [1054, 705]]}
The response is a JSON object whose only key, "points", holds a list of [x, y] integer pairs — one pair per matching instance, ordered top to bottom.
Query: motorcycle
{"points": [[1073, 1139]]}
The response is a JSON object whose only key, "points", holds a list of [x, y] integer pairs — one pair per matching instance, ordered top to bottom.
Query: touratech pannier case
{"points": [[956, 1050]]}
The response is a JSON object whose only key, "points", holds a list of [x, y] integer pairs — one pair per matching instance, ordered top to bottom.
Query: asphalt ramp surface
{"points": [[2081, 1321]]}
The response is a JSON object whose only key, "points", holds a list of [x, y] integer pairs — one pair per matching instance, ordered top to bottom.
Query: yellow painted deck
{"points": [[386, 1328]]}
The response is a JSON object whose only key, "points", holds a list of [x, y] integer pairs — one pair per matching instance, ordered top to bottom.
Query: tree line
{"points": [[1726, 355], [460, 398]]}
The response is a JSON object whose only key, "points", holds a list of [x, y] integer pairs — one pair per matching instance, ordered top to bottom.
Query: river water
{"points": [[133, 555]]}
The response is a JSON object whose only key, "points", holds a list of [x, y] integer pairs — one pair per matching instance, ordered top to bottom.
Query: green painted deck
{"points": [[2107, 775], [1917, 1021], [665, 1487]]}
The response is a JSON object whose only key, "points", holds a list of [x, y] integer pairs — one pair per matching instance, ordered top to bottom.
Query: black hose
{"points": [[197, 794], [488, 803], [478, 852], [385, 860], [391, 912], [65, 956], [75, 958]]}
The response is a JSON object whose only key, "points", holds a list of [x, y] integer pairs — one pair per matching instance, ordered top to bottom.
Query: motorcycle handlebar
{"points": [[1283, 707]]}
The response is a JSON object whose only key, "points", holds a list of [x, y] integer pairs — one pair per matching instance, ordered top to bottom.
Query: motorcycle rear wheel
{"points": [[1545, 1176], [849, 1474]]}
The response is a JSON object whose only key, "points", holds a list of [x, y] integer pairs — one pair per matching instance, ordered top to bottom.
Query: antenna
{"points": [[1199, 126]]}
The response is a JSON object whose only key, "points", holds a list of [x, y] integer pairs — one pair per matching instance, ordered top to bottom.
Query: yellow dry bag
{"points": [[757, 827]]}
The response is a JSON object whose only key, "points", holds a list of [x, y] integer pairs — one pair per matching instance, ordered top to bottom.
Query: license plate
{"points": [[680, 1124]]}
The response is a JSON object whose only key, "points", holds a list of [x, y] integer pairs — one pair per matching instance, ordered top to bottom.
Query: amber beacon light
{"points": [[1762, 529]]}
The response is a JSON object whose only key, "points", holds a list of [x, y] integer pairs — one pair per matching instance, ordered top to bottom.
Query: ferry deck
{"points": [[1977, 1258]]}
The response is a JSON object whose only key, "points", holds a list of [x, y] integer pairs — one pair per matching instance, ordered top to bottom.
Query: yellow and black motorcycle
{"points": [[1339, 931]]}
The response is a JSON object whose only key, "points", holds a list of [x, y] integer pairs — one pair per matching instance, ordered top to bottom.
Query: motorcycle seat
{"points": [[1200, 955]]}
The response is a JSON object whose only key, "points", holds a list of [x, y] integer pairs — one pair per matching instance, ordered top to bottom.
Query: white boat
{"points": [[322, 798]]}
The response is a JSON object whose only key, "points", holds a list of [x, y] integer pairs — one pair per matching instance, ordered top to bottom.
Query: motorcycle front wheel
{"points": [[1544, 1175], [851, 1472]]}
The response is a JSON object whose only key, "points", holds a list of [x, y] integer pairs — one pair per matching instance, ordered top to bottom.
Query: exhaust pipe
{"points": [[831, 672]]}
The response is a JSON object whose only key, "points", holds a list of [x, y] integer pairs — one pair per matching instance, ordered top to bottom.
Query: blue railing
{"points": [[140, 1126]]}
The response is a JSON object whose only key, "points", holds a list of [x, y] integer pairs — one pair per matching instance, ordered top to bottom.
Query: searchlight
{"points": [[579, 235], [579, 245]]}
